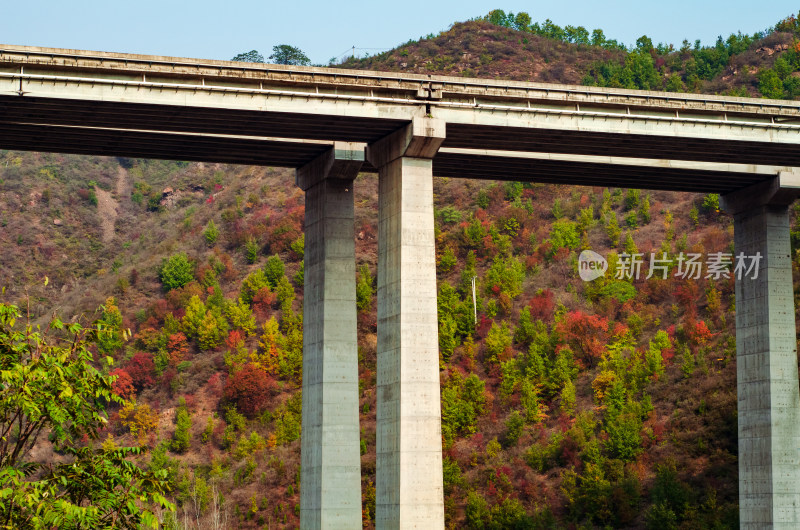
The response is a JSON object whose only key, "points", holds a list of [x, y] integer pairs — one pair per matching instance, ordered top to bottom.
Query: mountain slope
{"points": [[611, 403]]}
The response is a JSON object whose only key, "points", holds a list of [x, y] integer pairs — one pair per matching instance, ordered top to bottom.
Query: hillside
{"points": [[508, 46], [568, 404]]}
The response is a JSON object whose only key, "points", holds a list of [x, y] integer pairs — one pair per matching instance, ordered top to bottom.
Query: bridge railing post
{"points": [[766, 355], [330, 474], [409, 492]]}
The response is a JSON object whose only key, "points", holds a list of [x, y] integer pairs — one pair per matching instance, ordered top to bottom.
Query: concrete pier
{"points": [[767, 376], [330, 481], [409, 492]]}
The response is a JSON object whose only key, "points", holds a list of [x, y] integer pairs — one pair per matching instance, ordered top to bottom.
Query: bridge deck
{"points": [[221, 111]]}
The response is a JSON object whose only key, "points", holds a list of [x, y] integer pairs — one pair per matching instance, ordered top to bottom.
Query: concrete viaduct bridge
{"points": [[330, 124]]}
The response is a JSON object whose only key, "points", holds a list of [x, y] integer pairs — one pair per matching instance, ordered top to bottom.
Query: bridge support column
{"points": [[767, 378], [330, 476], [409, 491]]}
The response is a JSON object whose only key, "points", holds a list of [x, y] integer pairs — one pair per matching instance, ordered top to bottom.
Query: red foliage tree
{"points": [[687, 295], [263, 301], [542, 305], [698, 333], [587, 335], [235, 339], [178, 348], [141, 370], [214, 385], [123, 386], [249, 389]]}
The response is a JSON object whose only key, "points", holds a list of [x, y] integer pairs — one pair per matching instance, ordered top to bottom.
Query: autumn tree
{"points": [[109, 328], [587, 335], [123, 384], [248, 389], [51, 394]]}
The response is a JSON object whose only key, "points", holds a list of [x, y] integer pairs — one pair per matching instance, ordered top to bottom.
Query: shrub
{"points": [[770, 84], [513, 190], [632, 199], [711, 203], [644, 210], [449, 215], [612, 229], [211, 233], [564, 234], [298, 246], [251, 250], [447, 261], [274, 270], [176, 271], [505, 276], [252, 284], [364, 289], [542, 305], [241, 316], [109, 328], [212, 330], [586, 334], [448, 336], [498, 341], [178, 348], [141, 370], [123, 384], [249, 389], [463, 401], [140, 420], [287, 420], [514, 425], [181, 441]]}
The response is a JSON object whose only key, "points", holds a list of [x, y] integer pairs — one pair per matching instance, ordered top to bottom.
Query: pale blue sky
{"points": [[323, 29]]}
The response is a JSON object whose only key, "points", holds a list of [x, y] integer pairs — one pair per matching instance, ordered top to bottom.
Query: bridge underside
{"points": [[472, 151]]}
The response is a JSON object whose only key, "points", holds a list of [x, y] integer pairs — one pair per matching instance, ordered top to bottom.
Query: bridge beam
{"points": [[766, 345], [330, 477], [409, 491]]}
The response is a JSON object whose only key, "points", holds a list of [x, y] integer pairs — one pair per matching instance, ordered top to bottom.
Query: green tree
{"points": [[497, 17], [522, 21], [644, 43], [285, 54], [249, 57], [769, 84], [644, 210], [612, 229], [211, 233], [564, 234], [251, 250], [273, 270], [176, 271], [505, 276], [252, 284], [364, 289], [240, 316], [109, 328], [448, 336], [50, 387], [181, 440]]}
